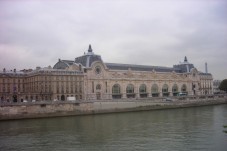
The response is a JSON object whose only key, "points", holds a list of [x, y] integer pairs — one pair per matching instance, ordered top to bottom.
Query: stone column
{"points": [[170, 93], [149, 95], [124, 96], [137, 96]]}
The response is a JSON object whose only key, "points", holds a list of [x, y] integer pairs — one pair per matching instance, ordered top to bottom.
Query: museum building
{"points": [[89, 78]]}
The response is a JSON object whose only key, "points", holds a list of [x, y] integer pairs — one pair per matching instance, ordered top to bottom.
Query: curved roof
{"points": [[87, 59], [62, 64]]}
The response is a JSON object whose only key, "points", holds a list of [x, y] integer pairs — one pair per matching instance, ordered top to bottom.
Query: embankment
{"points": [[55, 109]]}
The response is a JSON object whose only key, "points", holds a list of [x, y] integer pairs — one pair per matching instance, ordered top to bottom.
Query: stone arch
{"points": [[154, 90], [165, 90], [175, 90], [184, 90], [116, 91], [130, 91], [143, 91]]}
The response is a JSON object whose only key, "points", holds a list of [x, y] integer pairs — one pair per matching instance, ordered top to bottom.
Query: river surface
{"points": [[186, 129]]}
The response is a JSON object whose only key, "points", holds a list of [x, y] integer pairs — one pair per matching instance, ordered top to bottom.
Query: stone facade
{"points": [[89, 78], [41, 84]]}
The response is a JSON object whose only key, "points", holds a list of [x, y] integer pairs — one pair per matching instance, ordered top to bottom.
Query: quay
{"points": [[44, 109]]}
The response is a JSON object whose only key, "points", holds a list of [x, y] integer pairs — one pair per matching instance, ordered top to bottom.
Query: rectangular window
{"points": [[93, 87], [106, 87]]}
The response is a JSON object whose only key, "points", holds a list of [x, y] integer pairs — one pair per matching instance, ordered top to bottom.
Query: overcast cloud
{"points": [[150, 32]]}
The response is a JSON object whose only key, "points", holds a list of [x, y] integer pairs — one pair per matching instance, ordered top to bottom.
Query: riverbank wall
{"points": [[9, 111]]}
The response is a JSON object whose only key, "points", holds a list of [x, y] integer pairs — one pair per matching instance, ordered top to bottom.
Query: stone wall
{"points": [[54, 109]]}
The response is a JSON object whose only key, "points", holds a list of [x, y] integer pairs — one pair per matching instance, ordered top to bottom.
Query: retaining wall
{"points": [[53, 109]]}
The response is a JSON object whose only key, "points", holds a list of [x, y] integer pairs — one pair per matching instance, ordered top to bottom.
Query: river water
{"points": [[186, 129]]}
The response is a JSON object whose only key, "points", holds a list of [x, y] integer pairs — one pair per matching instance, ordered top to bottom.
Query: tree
{"points": [[223, 85], [225, 126]]}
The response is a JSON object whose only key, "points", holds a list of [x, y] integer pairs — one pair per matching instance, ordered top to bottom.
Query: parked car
{"points": [[182, 94]]}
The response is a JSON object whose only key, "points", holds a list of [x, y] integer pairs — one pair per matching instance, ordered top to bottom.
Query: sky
{"points": [[147, 32]]}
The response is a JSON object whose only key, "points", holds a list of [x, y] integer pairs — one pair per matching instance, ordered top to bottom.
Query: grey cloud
{"points": [[140, 32]]}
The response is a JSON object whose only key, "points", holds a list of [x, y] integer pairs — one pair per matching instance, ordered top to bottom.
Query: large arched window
{"points": [[143, 88], [154, 90], [165, 90], [175, 90], [184, 90], [116, 91], [130, 91], [143, 91]]}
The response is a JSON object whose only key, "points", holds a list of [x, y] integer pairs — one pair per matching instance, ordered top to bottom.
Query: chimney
{"points": [[206, 70]]}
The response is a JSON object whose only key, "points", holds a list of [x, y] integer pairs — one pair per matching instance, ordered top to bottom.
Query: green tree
{"points": [[223, 85], [225, 126]]}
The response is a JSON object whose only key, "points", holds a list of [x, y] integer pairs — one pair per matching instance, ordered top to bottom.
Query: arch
{"points": [[61, 64], [154, 90], [175, 90], [184, 90], [116, 91], [130, 91], [143, 91], [165, 91]]}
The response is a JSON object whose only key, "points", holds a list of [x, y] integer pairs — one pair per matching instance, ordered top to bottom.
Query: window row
{"points": [[130, 92]]}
